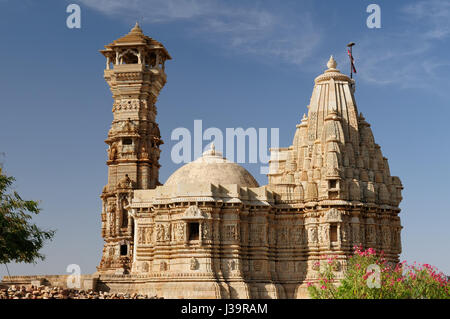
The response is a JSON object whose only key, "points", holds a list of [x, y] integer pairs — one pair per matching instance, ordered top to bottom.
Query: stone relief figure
{"points": [[129, 126], [156, 133], [112, 151], [144, 153], [125, 182], [111, 207], [111, 211], [159, 232], [167, 232], [324, 232], [345, 232], [363, 232], [371, 233], [206, 234], [319, 234], [148, 235], [312, 235], [141, 236], [272, 237], [111, 251], [194, 264], [232, 265], [163, 266]]}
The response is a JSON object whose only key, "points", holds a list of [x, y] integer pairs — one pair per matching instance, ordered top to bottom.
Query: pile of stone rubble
{"points": [[44, 292]]}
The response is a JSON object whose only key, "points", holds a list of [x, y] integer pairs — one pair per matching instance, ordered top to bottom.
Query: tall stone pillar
{"points": [[135, 80]]}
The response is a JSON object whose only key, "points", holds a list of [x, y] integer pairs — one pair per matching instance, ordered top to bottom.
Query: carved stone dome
{"points": [[212, 168]]}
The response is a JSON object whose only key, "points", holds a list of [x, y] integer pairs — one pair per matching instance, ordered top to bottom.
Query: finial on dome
{"points": [[136, 28], [331, 63], [304, 119], [213, 148]]}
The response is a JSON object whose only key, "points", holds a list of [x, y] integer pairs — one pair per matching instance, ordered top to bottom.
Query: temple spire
{"points": [[331, 64]]}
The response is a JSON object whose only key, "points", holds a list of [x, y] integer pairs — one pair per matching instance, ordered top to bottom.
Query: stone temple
{"points": [[210, 231]]}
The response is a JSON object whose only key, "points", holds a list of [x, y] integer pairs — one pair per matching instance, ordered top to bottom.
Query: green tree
{"points": [[20, 239]]}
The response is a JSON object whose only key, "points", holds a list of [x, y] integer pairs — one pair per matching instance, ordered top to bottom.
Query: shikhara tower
{"points": [[135, 73], [336, 174]]}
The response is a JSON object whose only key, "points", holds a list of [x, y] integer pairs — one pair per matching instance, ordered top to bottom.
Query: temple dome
{"points": [[212, 168]]}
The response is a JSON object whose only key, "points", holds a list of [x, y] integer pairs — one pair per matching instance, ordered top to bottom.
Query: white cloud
{"points": [[434, 15], [240, 27]]}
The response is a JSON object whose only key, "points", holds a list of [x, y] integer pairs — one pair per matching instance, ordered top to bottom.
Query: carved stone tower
{"points": [[135, 74], [338, 175]]}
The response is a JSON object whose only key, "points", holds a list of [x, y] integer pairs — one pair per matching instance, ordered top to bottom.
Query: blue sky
{"points": [[235, 64]]}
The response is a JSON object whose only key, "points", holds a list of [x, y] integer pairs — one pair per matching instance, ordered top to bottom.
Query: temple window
{"points": [[129, 57], [127, 141], [332, 183], [194, 231], [333, 233], [123, 250]]}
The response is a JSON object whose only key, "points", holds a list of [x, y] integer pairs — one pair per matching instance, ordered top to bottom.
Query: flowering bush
{"points": [[370, 276]]}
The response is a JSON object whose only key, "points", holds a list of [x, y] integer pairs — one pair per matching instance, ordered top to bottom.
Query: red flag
{"points": [[351, 60]]}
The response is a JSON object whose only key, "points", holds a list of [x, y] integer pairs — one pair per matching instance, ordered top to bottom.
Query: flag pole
{"points": [[350, 46]]}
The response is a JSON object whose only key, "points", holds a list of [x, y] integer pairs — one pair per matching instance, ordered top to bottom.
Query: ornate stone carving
{"points": [[112, 152], [125, 182], [193, 212], [333, 216], [179, 231], [324, 231], [167, 232], [206, 232], [231, 232], [160, 233], [312, 234], [148, 235], [283, 235], [386, 235], [194, 264], [257, 265]]}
